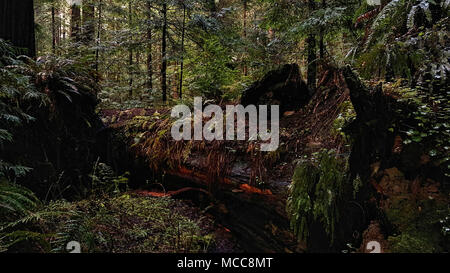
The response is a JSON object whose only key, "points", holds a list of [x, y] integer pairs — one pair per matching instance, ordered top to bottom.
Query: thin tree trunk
{"points": [[64, 26], [53, 28], [59, 28], [245, 35], [322, 43], [149, 49], [97, 50], [182, 51], [163, 55], [312, 56], [130, 61], [176, 80], [130, 83]]}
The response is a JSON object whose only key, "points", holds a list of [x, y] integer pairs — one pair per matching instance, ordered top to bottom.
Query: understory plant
{"points": [[316, 194]]}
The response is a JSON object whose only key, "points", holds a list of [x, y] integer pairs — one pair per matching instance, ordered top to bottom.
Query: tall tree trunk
{"points": [[88, 21], [75, 22], [17, 24], [58, 24], [64, 26], [59, 27], [53, 28], [322, 34], [245, 35], [149, 48], [97, 50], [182, 52], [163, 55], [312, 56], [130, 60]]}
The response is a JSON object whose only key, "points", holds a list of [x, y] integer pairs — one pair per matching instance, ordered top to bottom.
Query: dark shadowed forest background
{"points": [[86, 155]]}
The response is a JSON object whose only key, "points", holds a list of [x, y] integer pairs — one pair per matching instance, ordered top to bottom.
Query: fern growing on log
{"points": [[316, 193]]}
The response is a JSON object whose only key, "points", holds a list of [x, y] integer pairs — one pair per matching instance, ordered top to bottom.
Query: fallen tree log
{"points": [[255, 216]]}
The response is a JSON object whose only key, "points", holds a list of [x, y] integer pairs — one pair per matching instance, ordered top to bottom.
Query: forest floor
{"points": [[131, 222]]}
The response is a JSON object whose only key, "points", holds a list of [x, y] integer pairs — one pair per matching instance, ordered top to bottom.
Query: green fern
{"points": [[390, 16], [316, 193], [16, 199], [299, 203], [10, 239]]}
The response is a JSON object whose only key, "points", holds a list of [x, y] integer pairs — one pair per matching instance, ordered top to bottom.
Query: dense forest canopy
{"points": [[86, 88]]}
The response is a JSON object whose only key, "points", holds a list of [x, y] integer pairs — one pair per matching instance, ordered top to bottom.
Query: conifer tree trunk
{"points": [[88, 21], [75, 22], [17, 24], [59, 25], [64, 26], [53, 28], [245, 34], [322, 43], [149, 49], [97, 50], [182, 52], [163, 54], [312, 56], [130, 59]]}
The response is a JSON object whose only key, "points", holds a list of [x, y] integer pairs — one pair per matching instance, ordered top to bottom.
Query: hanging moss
{"points": [[317, 193], [299, 204]]}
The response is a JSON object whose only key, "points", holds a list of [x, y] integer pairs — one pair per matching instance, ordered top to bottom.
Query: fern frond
{"points": [[380, 27], [10, 118], [5, 136], [18, 170], [17, 199], [35, 217], [12, 238]]}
